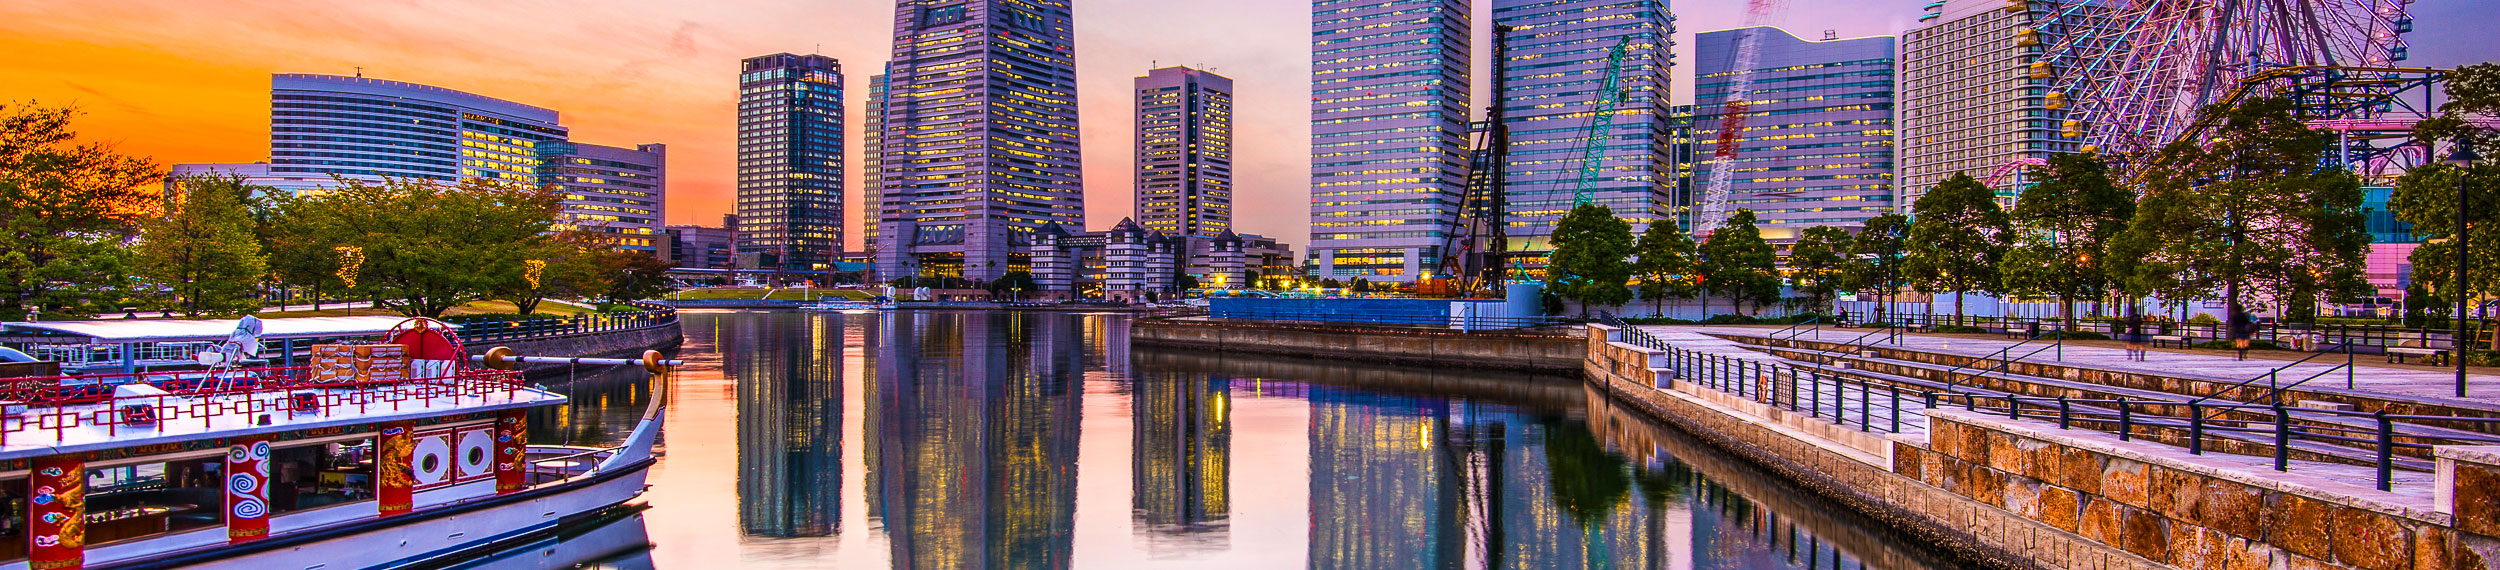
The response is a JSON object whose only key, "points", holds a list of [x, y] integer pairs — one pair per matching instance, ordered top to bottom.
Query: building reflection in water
{"points": [[788, 369], [974, 438], [1181, 462]]}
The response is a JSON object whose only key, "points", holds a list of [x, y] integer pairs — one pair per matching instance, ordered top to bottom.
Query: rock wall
{"points": [[602, 344], [1556, 352]]}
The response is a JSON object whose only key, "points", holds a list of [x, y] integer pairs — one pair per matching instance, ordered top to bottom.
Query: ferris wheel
{"points": [[2125, 77]]}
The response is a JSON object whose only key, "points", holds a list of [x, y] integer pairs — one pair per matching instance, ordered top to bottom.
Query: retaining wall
{"points": [[603, 344], [1549, 351], [2022, 494]]}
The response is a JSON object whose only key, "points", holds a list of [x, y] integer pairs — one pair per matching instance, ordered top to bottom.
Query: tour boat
{"points": [[374, 456]]}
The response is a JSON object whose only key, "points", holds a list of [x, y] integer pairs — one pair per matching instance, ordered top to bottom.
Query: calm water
{"points": [[1043, 440]]}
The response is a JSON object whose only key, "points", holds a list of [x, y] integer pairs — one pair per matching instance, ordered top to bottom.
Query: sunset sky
{"points": [[187, 81]]}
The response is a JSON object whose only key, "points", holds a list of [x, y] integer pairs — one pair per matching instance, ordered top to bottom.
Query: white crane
{"points": [[1712, 210]]}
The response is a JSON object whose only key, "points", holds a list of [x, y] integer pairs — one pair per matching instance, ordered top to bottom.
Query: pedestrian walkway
{"points": [[2370, 373]]}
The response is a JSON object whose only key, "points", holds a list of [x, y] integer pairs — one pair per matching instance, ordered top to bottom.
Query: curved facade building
{"points": [[323, 125]]}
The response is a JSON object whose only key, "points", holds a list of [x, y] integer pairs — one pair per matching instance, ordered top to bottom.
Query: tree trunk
{"points": [[1705, 306], [1957, 307], [2066, 310]]}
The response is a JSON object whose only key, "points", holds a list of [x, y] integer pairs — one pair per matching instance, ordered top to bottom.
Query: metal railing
{"points": [[1452, 322], [1813, 324], [475, 329], [2362, 338], [65, 404], [2382, 441]]}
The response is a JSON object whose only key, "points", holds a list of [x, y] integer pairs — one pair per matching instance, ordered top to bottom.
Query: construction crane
{"points": [[1601, 119], [1714, 198], [1472, 250]]}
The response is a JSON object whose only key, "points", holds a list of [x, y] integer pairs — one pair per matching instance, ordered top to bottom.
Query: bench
{"points": [[2182, 340], [2397, 353]]}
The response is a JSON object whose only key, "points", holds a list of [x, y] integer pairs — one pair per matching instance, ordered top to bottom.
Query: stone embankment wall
{"points": [[602, 344], [1549, 351], [2023, 495]]}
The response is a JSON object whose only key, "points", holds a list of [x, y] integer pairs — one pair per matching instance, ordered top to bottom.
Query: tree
{"points": [[2427, 196], [2250, 209], [66, 210], [2062, 228], [1957, 240], [425, 246], [200, 251], [1877, 253], [1591, 262], [1736, 263], [567, 264], [1667, 264], [1819, 264], [633, 276], [1184, 282], [1013, 283]]}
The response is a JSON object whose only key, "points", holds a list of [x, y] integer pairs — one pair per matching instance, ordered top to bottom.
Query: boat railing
{"points": [[62, 404], [584, 461]]}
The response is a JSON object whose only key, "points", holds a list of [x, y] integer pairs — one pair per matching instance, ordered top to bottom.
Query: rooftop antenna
{"points": [[360, 71]]}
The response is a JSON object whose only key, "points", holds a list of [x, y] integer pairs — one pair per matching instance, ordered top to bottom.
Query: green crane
{"points": [[1602, 118]]}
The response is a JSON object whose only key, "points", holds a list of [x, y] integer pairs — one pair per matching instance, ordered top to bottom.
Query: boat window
{"points": [[320, 475], [147, 499], [13, 519]]}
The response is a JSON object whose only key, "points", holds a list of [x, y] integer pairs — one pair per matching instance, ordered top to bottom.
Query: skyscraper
{"points": [[1558, 59], [1389, 89], [1970, 100], [323, 125], [980, 136], [1816, 149], [1184, 152], [790, 160], [872, 162], [617, 195]]}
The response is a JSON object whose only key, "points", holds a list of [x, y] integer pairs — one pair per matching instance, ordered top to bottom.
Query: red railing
{"points": [[59, 404]]}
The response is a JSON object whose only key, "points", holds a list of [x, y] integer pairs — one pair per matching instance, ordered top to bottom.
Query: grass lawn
{"points": [[753, 293]]}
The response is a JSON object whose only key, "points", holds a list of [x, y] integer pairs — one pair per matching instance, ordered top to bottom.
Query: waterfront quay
{"points": [[2019, 457]]}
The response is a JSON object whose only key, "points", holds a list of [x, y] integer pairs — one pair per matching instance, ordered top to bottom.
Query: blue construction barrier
{"points": [[1466, 315]]}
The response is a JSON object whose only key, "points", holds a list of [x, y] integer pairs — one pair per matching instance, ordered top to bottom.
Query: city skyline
{"points": [[187, 82]]}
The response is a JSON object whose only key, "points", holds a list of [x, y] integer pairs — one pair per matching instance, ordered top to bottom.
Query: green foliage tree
{"points": [[2427, 197], [2249, 209], [66, 210], [2062, 229], [1957, 240], [427, 246], [1877, 252], [199, 254], [1592, 255], [1737, 263], [1667, 264], [1819, 264], [574, 267], [634, 276], [1184, 282], [1014, 283]]}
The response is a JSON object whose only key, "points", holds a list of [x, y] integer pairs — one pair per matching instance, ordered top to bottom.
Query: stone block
{"points": [[1973, 446], [2005, 452], [1906, 461], [2044, 461], [1932, 468], [2080, 470], [2126, 481], [1984, 485], [2176, 494], [2476, 494], [2021, 497], [2060, 507], [2233, 507], [2099, 520], [2302, 525], [2144, 533], [2371, 540], [2198, 548], [2431, 548], [2245, 555]]}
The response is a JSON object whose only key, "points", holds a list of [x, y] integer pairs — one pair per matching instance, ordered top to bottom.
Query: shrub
{"points": [[2204, 319], [1959, 329], [2226, 345]]}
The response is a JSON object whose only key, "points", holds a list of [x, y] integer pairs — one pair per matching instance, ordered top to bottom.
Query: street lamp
{"points": [[2462, 159]]}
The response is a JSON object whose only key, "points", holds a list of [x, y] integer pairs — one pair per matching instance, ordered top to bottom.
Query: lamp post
{"points": [[2462, 159]]}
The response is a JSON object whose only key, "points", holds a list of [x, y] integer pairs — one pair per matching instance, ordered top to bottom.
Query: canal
{"points": [[1043, 440]]}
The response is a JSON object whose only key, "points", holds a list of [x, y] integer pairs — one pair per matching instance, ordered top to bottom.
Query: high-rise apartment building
{"points": [[1557, 65], [1971, 102], [1389, 116], [324, 125], [1817, 144], [979, 147], [1184, 152], [790, 160], [872, 163], [617, 195]]}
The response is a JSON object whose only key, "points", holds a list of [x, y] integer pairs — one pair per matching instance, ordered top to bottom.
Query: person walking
{"points": [[2131, 330]]}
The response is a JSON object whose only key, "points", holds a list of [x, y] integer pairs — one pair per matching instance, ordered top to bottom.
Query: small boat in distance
{"points": [[874, 304]]}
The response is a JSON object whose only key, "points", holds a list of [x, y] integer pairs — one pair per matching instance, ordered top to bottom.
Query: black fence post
{"points": [[1866, 406], [1896, 407], [2065, 412], [2126, 419], [2196, 428], [2282, 439], [2386, 452]]}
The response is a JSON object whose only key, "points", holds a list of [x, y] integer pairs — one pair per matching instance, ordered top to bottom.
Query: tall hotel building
{"points": [[1550, 82], [1971, 102], [1389, 116], [322, 125], [979, 136], [1817, 147], [1184, 152], [790, 160], [872, 163], [616, 195]]}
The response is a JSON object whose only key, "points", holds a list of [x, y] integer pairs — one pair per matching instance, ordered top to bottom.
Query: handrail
{"points": [[1815, 320], [2009, 349], [2001, 366], [2271, 375]]}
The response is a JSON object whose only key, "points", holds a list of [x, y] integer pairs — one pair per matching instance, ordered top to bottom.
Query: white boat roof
{"points": [[138, 330], [31, 437]]}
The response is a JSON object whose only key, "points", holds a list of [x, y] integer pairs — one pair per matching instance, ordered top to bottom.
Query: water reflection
{"points": [[956, 440]]}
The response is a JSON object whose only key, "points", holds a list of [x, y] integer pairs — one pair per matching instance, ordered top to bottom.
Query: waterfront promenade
{"points": [[2372, 374]]}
